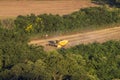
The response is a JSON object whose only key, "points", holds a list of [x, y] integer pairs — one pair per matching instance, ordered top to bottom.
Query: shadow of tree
{"points": [[115, 3]]}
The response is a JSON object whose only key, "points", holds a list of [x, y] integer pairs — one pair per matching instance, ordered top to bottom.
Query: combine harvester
{"points": [[58, 43]]}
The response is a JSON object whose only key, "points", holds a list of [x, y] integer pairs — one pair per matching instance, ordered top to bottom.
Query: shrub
{"points": [[86, 18]]}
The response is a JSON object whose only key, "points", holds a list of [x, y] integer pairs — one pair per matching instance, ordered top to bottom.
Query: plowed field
{"points": [[12, 8]]}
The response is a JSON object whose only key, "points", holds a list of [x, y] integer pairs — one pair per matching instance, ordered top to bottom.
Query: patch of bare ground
{"points": [[10, 8], [83, 38]]}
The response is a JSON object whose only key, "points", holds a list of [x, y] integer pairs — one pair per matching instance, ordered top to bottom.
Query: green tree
{"points": [[1, 63]]}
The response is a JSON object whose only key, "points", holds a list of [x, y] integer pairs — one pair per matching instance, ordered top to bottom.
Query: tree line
{"points": [[84, 19], [20, 61]]}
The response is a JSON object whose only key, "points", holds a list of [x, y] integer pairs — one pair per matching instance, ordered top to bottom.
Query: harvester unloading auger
{"points": [[58, 43]]}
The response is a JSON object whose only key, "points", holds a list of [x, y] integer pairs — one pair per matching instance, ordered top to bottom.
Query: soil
{"points": [[11, 8], [82, 38]]}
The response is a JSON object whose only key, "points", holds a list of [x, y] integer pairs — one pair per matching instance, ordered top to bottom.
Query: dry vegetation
{"points": [[14, 8]]}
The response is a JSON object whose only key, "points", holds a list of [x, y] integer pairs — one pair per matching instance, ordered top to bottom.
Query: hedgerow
{"points": [[87, 18]]}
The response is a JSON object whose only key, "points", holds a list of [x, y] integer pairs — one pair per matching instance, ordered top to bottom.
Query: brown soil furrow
{"points": [[15, 8], [80, 35], [94, 36], [89, 37], [99, 38]]}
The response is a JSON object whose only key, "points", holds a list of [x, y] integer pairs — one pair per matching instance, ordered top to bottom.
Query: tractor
{"points": [[58, 43]]}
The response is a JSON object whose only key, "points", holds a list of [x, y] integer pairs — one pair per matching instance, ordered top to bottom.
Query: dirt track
{"points": [[14, 8], [89, 37]]}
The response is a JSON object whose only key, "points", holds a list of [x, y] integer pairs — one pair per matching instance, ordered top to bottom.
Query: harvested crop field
{"points": [[10, 9]]}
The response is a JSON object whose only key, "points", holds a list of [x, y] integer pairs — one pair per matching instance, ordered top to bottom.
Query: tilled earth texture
{"points": [[13, 8], [82, 38]]}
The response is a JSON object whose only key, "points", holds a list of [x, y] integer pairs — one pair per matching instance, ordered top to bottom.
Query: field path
{"points": [[11, 8], [85, 38]]}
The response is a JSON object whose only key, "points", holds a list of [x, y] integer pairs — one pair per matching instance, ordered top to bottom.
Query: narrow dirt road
{"points": [[85, 38]]}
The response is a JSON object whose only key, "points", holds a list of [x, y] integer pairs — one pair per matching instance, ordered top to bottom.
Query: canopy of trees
{"points": [[84, 19], [20, 61]]}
